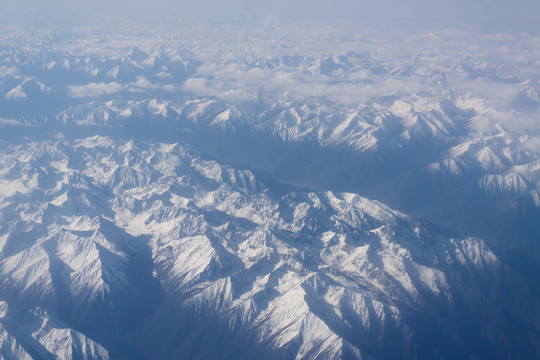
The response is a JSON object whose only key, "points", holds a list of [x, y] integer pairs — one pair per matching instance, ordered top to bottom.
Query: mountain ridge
{"points": [[298, 275]]}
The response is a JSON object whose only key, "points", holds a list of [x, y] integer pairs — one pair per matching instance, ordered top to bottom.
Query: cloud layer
{"points": [[495, 78]]}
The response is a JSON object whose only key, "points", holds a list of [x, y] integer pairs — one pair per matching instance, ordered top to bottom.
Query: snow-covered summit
{"points": [[226, 191], [156, 245]]}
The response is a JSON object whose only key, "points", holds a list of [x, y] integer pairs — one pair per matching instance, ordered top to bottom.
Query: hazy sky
{"points": [[490, 10]]}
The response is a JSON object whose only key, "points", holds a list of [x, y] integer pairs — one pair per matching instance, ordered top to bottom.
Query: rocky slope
{"points": [[447, 132], [147, 250]]}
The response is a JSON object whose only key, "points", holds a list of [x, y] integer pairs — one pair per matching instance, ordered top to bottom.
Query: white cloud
{"points": [[164, 75], [239, 82], [144, 84], [140, 85], [94, 89], [12, 122]]}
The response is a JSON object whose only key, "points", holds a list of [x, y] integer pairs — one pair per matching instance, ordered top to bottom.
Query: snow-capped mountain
{"points": [[425, 132], [228, 191], [148, 250], [35, 334]]}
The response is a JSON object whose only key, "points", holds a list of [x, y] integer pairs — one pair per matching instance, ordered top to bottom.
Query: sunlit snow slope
{"points": [[429, 123], [226, 189], [147, 250]]}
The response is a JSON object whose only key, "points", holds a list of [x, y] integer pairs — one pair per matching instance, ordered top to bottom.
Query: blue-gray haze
{"points": [[476, 10]]}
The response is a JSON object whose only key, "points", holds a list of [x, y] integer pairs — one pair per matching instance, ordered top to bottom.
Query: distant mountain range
{"points": [[224, 197]]}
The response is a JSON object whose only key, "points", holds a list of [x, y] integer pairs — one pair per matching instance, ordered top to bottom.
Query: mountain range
{"points": [[232, 196]]}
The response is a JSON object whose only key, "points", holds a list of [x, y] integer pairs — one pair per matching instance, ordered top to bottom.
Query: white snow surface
{"points": [[131, 242], [304, 272]]}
